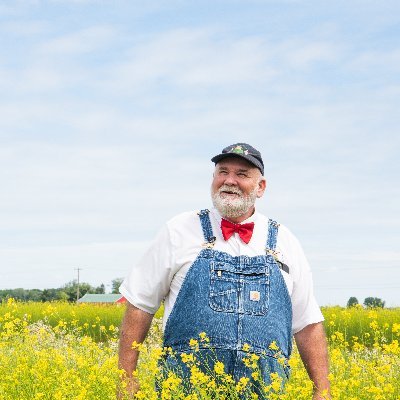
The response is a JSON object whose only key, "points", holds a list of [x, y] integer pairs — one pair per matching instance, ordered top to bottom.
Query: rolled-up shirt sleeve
{"points": [[149, 280], [305, 308]]}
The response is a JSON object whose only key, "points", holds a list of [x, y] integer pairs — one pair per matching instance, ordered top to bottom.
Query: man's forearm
{"points": [[134, 328], [313, 349], [128, 357], [127, 361]]}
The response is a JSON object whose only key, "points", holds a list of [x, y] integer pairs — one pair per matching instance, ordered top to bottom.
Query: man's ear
{"points": [[261, 187]]}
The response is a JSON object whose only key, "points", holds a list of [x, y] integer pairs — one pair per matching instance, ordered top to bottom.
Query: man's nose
{"points": [[230, 179]]}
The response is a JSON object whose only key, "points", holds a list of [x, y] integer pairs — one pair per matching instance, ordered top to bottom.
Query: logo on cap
{"points": [[239, 150]]}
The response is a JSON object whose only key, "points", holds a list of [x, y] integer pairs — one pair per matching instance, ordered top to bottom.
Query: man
{"points": [[233, 274]]}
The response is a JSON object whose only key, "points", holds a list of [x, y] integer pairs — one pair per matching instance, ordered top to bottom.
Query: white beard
{"points": [[230, 207]]}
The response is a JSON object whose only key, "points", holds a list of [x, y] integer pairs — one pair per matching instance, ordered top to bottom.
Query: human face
{"points": [[235, 187]]}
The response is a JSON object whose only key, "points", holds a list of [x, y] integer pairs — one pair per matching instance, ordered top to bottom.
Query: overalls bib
{"points": [[240, 302]]}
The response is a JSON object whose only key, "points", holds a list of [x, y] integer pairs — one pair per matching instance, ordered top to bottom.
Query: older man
{"points": [[234, 274]]}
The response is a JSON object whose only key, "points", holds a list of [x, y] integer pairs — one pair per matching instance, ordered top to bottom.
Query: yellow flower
{"points": [[10, 302], [372, 314], [374, 325], [203, 337], [194, 344], [137, 346], [273, 346], [246, 347], [392, 348], [254, 357], [187, 358], [282, 360], [219, 367], [255, 375], [198, 377], [276, 381], [242, 383]]}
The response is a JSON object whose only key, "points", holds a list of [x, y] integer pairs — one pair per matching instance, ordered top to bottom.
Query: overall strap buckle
{"points": [[207, 229], [210, 244]]}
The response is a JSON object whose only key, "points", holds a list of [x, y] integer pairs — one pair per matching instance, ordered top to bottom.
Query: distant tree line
{"points": [[68, 292], [369, 302]]}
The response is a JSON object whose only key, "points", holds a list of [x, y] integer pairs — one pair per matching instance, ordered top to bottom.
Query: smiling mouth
{"points": [[227, 192]]}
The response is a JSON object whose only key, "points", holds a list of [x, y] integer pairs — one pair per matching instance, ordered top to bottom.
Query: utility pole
{"points": [[77, 288]]}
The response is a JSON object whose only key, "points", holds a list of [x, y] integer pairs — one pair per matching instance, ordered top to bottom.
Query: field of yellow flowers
{"points": [[62, 351]]}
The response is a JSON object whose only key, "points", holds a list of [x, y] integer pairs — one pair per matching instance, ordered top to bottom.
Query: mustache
{"points": [[232, 189]]}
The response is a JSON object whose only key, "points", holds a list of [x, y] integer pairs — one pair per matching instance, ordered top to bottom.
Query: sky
{"points": [[110, 112]]}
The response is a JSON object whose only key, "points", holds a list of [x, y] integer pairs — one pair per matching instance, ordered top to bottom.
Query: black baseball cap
{"points": [[242, 150]]}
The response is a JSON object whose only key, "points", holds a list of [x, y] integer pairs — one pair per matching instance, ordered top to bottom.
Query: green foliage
{"points": [[115, 284], [71, 289], [100, 289], [67, 292], [49, 294], [62, 296], [352, 302], [374, 302]]}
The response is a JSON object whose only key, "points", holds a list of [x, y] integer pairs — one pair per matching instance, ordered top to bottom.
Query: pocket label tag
{"points": [[254, 295]]}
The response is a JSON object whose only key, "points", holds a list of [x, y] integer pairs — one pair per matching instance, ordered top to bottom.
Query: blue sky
{"points": [[111, 110]]}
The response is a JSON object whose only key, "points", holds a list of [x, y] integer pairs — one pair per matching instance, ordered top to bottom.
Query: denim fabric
{"points": [[235, 300]]}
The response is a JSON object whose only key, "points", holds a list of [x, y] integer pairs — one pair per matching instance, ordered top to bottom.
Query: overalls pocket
{"points": [[239, 289]]}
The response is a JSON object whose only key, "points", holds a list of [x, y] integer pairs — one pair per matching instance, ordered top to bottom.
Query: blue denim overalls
{"points": [[239, 302]]}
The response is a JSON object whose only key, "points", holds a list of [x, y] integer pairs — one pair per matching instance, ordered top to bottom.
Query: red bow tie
{"points": [[245, 231]]}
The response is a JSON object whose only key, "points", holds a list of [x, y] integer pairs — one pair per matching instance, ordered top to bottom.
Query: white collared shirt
{"points": [[161, 271]]}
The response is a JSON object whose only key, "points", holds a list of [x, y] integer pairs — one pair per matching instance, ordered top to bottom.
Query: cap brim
{"points": [[220, 157], [253, 161]]}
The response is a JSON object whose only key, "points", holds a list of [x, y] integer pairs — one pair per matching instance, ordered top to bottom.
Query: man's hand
{"points": [[134, 328], [313, 349], [128, 388], [325, 395]]}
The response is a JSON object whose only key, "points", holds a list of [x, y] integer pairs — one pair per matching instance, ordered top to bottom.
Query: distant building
{"points": [[102, 298]]}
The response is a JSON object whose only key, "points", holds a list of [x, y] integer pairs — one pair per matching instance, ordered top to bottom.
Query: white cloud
{"points": [[26, 29], [79, 42], [306, 54], [192, 57], [369, 62]]}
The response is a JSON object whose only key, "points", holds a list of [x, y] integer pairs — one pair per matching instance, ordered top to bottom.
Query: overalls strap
{"points": [[206, 226], [273, 227], [270, 247]]}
